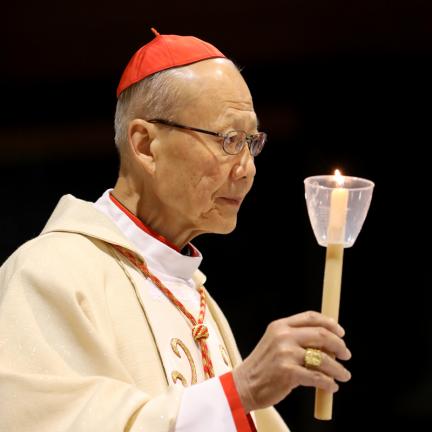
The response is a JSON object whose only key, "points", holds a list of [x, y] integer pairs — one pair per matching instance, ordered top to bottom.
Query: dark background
{"points": [[337, 84]]}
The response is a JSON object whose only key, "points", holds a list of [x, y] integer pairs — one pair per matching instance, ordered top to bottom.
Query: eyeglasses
{"points": [[233, 141]]}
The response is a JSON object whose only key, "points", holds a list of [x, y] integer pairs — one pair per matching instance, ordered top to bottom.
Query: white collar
{"points": [[159, 256]]}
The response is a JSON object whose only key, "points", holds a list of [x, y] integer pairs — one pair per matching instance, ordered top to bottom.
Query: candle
{"points": [[338, 210], [333, 275]]}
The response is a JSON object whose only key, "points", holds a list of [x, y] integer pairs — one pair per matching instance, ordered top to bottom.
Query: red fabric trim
{"points": [[147, 229], [193, 251], [243, 422], [251, 423]]}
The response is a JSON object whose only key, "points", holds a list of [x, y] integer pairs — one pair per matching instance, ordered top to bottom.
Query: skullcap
{"points": [[165, 52]]}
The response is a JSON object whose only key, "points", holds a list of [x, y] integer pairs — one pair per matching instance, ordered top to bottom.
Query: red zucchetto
{"points": [[165, 52]]}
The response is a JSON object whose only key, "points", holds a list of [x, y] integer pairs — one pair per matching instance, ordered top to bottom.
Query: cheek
{"points": [[202, 172], [191, 183], [204, 186]]}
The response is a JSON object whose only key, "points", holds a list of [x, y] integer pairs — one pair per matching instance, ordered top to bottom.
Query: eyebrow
{"points": [[234, 119]]}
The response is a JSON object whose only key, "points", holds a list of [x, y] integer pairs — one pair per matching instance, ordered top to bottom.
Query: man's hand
{"points": [[276, 365]]}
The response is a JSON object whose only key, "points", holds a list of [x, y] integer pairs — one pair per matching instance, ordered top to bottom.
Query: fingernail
{"points": [[341, 331]]}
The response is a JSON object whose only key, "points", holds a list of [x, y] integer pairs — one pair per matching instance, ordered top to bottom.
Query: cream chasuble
{"points": [[88, 344]]}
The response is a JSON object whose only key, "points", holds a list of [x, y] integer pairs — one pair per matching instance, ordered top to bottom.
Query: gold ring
{"points": [[313, 358]]}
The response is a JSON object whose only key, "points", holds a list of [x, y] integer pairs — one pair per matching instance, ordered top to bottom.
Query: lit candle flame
{"points": [[339, 178]]}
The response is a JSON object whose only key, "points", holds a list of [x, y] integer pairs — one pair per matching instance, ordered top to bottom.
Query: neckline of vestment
{"points": [[160, 257]]}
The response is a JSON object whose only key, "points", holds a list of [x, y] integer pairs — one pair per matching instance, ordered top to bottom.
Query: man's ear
{"points": [[140, 136]]}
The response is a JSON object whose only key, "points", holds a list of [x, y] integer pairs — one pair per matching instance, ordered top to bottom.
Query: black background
{"points": [[336, 84]]}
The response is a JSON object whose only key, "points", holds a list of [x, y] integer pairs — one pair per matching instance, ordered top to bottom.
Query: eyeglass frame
{"points": [[247, 140]]}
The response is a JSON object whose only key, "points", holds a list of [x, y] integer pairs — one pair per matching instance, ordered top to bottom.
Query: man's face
{"points": [[198, 186]]}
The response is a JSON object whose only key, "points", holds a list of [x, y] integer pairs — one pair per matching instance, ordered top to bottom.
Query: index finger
{"points": [[315, 319]]}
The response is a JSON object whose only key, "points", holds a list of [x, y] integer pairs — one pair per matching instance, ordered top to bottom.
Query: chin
{"points": [[224, 227]]}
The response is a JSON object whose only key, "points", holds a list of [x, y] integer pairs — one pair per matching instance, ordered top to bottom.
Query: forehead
{"points": [[220, 95], [235, 118]]}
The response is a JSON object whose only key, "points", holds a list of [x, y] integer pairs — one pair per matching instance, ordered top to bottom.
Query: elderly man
{"points": [[104, 320]]}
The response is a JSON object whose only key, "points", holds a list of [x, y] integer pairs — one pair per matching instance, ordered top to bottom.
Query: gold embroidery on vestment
{"points": [[224, 355], [176, 375]]}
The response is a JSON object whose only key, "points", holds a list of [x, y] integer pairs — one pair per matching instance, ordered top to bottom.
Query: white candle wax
{"points": [[338, 212]]}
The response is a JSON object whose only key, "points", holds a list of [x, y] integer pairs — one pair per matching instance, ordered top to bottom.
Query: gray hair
{"points": [[160, 95]]}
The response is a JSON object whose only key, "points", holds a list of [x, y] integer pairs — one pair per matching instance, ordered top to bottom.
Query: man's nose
{"points": [[245, 165]]}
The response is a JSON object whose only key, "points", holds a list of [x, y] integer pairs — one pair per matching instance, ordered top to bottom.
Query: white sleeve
{"points": [[204, 407]]}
